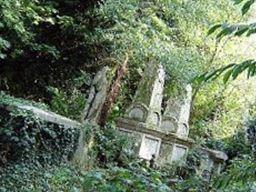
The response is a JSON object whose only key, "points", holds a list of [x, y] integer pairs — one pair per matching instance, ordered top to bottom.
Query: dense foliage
{"points": [[82, 36], [50, 51], [23, 136], [34, 157]]}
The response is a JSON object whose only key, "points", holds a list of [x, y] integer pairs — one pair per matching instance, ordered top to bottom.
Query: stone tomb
{"points": [[164, 136], [167, 147], [80, 152]]}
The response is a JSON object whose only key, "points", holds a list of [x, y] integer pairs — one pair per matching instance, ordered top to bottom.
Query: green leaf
{"points": [[237, 1], [247, 6], [213, 29], [252, 29], [241, 30], [224, 32], [4, 43], [2, 56], [240, 68], [251, 70], [211, 75], [227, 76], [200, 78]]}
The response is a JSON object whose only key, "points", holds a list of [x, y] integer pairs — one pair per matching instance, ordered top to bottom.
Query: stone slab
{"points": [[51, 116], [142, 128], [149, 146], [179, 153]]}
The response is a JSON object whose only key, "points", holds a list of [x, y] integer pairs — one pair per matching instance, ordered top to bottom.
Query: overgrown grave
{"points": [[29, 131]]}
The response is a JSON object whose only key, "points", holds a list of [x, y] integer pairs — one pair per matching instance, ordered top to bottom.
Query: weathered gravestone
{"points": [[97, 96], [146, 106], [177, 112], [144, 114], [176, 121], [211, 162]]}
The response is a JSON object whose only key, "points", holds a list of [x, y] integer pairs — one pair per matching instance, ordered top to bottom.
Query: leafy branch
{"points": [[232, 70]]}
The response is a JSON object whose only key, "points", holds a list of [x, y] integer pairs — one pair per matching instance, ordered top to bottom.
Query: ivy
{"points": [[23, 135]]}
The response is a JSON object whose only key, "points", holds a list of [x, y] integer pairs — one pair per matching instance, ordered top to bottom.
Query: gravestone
{"points": [[97, 96], [146, 106], [177, 112], [163, 138], [211, 162]]}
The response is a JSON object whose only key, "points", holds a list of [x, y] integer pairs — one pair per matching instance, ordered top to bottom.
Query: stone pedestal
{"points": [[165, 147], [211, 162]]}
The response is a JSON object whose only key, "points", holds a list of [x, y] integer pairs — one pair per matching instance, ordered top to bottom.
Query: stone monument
{"points": [[146, 106], [163, 136]]}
